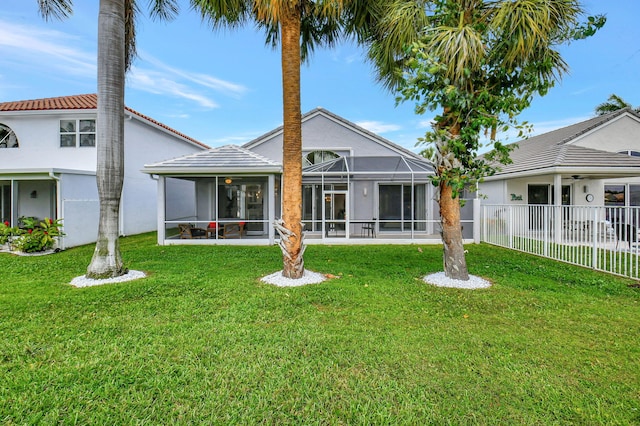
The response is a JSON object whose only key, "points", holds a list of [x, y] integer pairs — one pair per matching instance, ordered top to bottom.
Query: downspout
{"points": [[127, 117]]}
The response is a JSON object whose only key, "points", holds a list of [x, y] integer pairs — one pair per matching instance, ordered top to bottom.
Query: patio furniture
{"points": [[368, 228], [232, 230], [188, 231]]}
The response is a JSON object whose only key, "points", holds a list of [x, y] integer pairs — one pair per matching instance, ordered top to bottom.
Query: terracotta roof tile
{"points": [[80, 102]]}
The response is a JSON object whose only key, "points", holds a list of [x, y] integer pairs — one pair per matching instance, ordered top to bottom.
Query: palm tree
{"points": [[298, 26], [116, 49], [481, 62], [613, 103]]}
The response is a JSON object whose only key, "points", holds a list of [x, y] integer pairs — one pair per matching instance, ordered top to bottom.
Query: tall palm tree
{"points": [[298, 26], [116, 49], [481, 62], [613, 103]]}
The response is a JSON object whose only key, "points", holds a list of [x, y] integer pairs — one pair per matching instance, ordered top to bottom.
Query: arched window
{"points": [[8, 138], [317, 157]]}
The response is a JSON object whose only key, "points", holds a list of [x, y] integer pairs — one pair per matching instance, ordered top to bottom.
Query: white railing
{"points": [[602, 238]]}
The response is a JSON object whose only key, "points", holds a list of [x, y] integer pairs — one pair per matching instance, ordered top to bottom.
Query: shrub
{"points": [[6, 233], [36, 236]]}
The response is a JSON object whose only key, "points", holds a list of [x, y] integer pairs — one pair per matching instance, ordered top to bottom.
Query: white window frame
{"points": [[78, 133]]}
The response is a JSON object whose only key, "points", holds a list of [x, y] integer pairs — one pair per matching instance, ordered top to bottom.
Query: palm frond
{"points": [[58, 9], [165, 10], [131, 13], [224, 13], [460, 48], [613, 103]]}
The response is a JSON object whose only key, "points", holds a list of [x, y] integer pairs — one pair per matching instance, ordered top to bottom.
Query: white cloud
{"points": [[41, 48], [61, 54], [200, 79], [160, 84], [426, 124], [378, 126], [236, 139]]}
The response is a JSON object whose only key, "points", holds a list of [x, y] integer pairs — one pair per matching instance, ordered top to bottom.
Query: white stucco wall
{"points": [[322, 133], [621, 133], [38, 134], [145, 145], [501, 191], [79, 208]]}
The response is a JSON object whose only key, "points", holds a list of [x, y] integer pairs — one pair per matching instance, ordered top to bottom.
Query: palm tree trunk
{"points": [[292, 145], [107, 261], [455, 264]]}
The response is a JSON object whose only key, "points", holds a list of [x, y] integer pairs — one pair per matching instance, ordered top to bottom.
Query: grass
{"points": [[203, 341]]}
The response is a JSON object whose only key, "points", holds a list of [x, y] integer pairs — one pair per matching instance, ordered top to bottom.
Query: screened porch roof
{"points": [[223, 160], [389, 167]]}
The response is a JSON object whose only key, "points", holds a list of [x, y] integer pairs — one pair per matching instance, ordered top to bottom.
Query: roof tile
{"points": [[80, 102]]}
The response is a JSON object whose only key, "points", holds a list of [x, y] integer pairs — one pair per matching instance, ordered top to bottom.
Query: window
{"points": [[77, 133], [8, 138], [317, 157], [614, 195], [402, 207]]}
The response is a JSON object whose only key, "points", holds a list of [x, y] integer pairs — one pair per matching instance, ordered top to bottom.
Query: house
{"points": [[592, 163], [48, 165], [570, 179], [356, 185]]}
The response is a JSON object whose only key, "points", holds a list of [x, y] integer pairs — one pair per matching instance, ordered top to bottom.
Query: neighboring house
{"points": [[592, 163], [48, 165], [356, 184]]}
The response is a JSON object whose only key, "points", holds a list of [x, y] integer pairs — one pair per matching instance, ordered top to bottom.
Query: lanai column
{"points": [[271, 186], [161, 202], [557, 208]]}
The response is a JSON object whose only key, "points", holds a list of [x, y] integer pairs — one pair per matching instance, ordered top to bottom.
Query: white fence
{"points": [[602, 238]]}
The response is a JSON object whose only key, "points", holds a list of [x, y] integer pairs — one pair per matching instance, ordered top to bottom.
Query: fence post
{"points": [[476, 221], [510, 231], [594, 238]]}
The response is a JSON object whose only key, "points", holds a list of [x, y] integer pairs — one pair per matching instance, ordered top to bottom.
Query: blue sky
{"points": [[225, 86]]}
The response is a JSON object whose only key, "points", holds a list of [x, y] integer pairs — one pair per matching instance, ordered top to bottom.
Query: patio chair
{"points": [[369, 229], [231, 230], [188, 231]]}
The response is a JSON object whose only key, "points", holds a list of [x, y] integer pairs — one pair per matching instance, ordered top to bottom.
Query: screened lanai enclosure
{"points": [[232, 195], [368, 197]]}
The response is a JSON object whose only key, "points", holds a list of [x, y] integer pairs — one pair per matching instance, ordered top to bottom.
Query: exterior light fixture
{"points": [[228, 181]]}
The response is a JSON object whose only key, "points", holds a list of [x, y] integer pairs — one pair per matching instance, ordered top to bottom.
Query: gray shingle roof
{"points": [[555, 149], [224, 159]]}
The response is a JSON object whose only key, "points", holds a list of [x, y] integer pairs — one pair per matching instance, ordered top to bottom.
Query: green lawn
{"points": [[203, 341]]}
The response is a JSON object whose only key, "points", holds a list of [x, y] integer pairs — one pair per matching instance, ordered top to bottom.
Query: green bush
{"points": [[6, 233], [35, 237]]}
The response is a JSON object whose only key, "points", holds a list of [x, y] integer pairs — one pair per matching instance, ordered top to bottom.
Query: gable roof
{"points": [[82, 102], [342, 121], [556, 149], [225, 159]]}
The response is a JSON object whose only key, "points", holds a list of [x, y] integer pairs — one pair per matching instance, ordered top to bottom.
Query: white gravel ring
{"points": [[309, 277], [439, 279], [83, 281]]}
